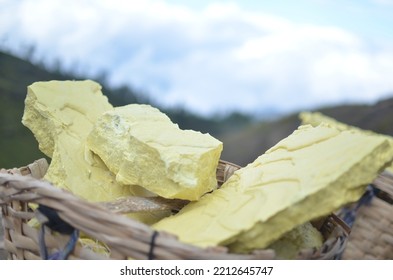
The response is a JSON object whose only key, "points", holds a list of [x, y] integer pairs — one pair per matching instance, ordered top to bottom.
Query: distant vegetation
{"points": [[244, 138]]}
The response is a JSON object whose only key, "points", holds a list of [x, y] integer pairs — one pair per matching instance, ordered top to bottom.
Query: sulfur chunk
{"points": [[57, 106], [60, 114], [317, 118], [143, 147], [80, 171], [310, 174], [301, 237]]}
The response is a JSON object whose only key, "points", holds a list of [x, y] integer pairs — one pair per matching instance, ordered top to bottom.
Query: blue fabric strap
{"points": [[348, 214], [59, 255], [150, 256]]}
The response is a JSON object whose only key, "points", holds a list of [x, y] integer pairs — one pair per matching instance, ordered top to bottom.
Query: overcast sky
{"points": [[215, 56]]}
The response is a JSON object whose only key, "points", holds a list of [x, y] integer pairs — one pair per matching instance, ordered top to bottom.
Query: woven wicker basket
{"points": [[372, 232], [124, 237]]}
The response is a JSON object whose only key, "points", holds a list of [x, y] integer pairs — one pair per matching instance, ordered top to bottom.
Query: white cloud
{"points": [[384, 2], [218, 58]]}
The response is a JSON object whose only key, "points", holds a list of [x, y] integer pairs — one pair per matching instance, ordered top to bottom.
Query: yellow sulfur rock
{"points": [[62, 106], [60, 114], [317, 118], [143, 147], [77, 169], [309, 174], [301, 237], [95, 246]]}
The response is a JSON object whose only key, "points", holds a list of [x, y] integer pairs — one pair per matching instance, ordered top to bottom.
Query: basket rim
{"points": [[112, 229]]}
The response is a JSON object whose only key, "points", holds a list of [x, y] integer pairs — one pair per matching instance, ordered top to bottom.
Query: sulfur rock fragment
{"points": [[60, 114], [143, 147], [310, 174], [301, 237]]}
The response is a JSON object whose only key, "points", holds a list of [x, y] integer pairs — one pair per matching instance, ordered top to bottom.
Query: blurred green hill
{"points": [[244, 138]]}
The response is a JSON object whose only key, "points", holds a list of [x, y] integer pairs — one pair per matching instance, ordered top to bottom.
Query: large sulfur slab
{"points": [[61, 114], [316, 118], [143, 147], [153, 152], [309, 174]]}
